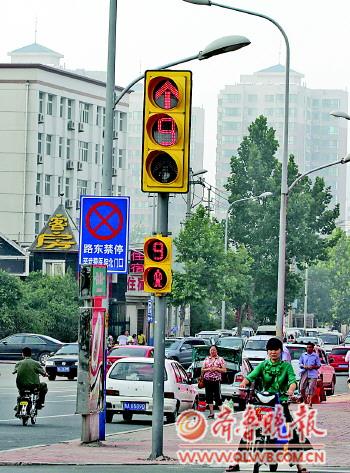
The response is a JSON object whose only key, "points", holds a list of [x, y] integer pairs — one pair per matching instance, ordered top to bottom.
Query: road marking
{"points": [[63, 400], [42, 417]]}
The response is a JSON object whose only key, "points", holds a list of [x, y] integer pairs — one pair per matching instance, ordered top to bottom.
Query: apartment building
{"points": [[315, 137], [51, 141]]}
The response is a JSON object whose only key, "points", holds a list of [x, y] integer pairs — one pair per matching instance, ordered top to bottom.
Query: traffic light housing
{"points": [[166, 131], [157, 277], [85, 282]]}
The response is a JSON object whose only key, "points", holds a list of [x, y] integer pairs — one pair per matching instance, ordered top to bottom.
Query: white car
{"points": [[255, 349], [129, 389]]}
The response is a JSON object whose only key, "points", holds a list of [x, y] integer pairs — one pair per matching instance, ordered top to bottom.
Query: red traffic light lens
{"points": [[166, 94], [156, 250], [156, 278]]}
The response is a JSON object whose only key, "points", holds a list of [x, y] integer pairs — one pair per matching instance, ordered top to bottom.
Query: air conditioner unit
{"points": [[40, 118], [71, 125], [81, 127], [115, 135], [39, 158], [80, 166], [114, 172], [38, 200], [68, 204], [77, 205]]}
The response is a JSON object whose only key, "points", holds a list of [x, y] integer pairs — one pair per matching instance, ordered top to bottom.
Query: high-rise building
{"points": [[315, 137], [51, 141], [143, 205]]}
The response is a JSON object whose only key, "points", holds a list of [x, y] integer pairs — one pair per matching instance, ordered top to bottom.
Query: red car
{"points": [[124, 351], [336, 358]]}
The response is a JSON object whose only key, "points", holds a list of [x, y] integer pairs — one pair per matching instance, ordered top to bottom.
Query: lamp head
{"points": [[199, 2], [223, 45], [340, 114], [346, 159], [198, 173], [265, 194]]}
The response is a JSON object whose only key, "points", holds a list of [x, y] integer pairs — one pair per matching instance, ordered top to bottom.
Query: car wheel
{"points": [[42, 357], [52, 377], [71, 377], [331, 391], [242, 404], [127, 416], [109, 417], [171, 418], [274, 467]]}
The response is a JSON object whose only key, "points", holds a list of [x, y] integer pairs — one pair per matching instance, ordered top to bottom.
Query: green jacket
{"points": [[28, 371], [273, 377]]}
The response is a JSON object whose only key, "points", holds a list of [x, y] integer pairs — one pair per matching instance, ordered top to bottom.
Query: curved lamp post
{"points": [[216, 47], [340, 114], [284, 177], [253, 197]]}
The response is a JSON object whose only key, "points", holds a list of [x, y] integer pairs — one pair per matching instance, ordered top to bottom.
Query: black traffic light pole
{"points": [[159, 345]]}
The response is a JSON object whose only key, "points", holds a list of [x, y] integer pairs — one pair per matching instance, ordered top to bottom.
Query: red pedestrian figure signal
{"points": [[157, 264]]}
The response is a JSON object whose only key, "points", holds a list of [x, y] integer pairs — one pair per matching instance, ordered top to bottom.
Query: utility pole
{"points": [[306, 296]]}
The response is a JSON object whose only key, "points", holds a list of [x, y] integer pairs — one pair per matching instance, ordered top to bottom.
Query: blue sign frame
{"points": [[104, 232]]}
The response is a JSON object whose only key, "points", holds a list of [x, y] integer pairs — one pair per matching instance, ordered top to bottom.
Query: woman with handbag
{"points": [[213, 367]]}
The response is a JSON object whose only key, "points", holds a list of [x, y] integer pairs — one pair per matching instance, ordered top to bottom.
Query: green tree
{"points": [[255, 224], [208, 274], [10, 297], [50, 306]]}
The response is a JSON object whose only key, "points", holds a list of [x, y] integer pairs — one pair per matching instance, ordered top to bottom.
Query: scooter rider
{"points": [[28, 371]]}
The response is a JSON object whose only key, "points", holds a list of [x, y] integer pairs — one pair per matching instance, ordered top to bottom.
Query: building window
{"points": [[234, 98], [252, 98], [269, 98], [62, 100], [41, 102], [49, 105], [69, 109], [84, 109], [232, 112], [98, 116], [104, 117], [122, 121], [40, 143], [48, 144], [60, 147], [68, 148], [83, 151], [97, 154], [102, 154], [121, 160], [38, 183], [48, 184], [59, 185], [81, 187], [97, 188], [67, 190], [120, 190], [46, 218], [37, 226], [54, 267]]}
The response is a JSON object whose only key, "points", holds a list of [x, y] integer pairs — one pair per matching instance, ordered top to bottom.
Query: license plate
{"points": [[343, 366], [63, 369], [23, 403], [134, 406]]}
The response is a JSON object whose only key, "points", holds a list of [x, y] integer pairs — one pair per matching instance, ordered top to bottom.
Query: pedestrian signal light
{"points": [[166, 131], [157, 264], [85, 282]]}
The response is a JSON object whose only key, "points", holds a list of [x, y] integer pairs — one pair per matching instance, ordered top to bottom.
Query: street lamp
{"points": [[221, 45], [340, 114], [284, 177], [253, 197]]}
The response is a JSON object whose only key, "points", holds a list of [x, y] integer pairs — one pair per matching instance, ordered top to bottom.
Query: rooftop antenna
{"points": [[36, 29]]}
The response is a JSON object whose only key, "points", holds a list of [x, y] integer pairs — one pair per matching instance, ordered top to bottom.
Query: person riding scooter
{"points": [[28, 371]]}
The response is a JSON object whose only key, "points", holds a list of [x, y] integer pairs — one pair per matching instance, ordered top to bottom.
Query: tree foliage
{"points": [[255, 223], [208, 275], [40, 304]]}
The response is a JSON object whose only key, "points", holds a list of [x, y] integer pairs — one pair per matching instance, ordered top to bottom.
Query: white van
{"points": [[266, 330]]}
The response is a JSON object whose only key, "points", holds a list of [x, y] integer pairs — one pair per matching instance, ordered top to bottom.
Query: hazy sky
{"points": [[151, 33]]}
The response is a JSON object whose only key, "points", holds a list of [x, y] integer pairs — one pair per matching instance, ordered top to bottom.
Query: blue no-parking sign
{"points": [[104, 232]]}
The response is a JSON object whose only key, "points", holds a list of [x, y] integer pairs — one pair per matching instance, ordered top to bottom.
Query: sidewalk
{"points": [[134, 447]]}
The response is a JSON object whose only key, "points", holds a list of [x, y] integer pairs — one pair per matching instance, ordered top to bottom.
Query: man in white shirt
{"points": [[123, 339]]}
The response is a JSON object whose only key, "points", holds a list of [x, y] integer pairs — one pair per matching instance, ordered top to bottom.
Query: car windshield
{"points": [[329, 338], [229, 342], [172, 345], [256, 345], [72, 349], [127, 351], [339, 351], [296, 352], [137, 371]]}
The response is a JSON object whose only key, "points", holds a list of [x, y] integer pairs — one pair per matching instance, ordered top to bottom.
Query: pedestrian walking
{"points": [[123, 338], [141, 338], [134, 340], [110, 341], [347, 360], [309, 364], [213, 367]]}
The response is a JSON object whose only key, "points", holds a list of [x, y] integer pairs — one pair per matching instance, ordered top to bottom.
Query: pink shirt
{"points": [[217, 362]]}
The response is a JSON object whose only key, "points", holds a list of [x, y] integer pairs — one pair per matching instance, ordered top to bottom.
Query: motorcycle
{"points": [[27, 406]]}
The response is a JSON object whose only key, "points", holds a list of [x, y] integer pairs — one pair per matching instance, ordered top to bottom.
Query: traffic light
{"points": [[166, 131], [157, 275], [85, 282]]}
